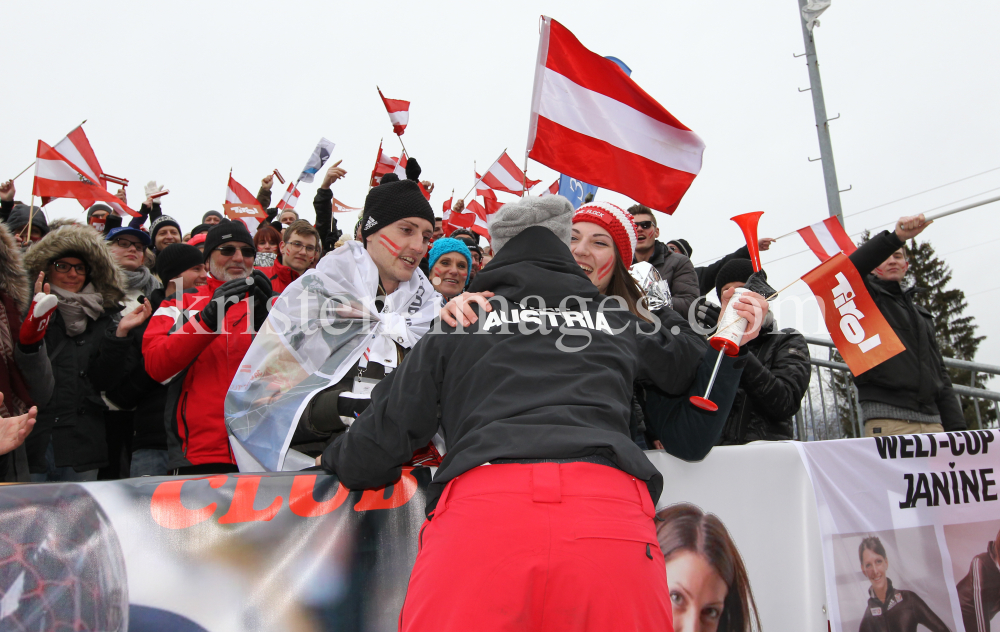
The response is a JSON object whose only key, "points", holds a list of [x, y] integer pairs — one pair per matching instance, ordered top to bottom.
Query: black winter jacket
{"points": [[326, 223], [678, 271], [915, 379], [774, 380], [507, 390], [73, 416], [901, 611]]}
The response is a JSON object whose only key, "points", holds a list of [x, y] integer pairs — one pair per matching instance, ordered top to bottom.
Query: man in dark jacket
{"points": [[674, 268], [774, 379], [541, 392], [911, 392], [979, 590]]}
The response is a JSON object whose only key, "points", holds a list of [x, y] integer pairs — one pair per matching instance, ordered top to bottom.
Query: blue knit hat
{"points": [[446, 245]]}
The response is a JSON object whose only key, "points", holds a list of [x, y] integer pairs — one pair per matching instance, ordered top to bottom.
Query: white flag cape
{"points": [[316, 332]]}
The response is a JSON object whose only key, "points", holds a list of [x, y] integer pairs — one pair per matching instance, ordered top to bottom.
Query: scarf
{"points": [[141, 279], [77, 307], [327, 321]]}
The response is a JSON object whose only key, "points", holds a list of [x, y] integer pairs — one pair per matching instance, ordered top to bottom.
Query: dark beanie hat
{"points": [[412, 169], [389, 177], [389, 203], [99, 207], [211, 214], [18, 219], [161, 222], [200, 228], [226, 231], [683, 246], [175, 259], [737, 270]]}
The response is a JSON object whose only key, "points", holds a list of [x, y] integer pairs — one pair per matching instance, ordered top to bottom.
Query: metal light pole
{"points": [[822, 122]]}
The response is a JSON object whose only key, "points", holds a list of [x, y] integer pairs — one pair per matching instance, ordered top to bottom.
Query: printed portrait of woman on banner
{"points": [[709, 587], [890, 609]]}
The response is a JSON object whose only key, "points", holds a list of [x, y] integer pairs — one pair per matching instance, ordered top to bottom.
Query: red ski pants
{"points": [[544, 546]]}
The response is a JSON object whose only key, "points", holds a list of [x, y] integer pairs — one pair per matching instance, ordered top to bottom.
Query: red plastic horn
{"points": [[748, 224]]}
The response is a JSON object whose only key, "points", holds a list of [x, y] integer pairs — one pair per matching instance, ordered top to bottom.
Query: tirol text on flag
{"points": [[399, 113], [589, 120], [322, 153], [505, 176], [57, 177], [290, 198], [240, 203], [340, 207], [827, 238], [858, 329]]}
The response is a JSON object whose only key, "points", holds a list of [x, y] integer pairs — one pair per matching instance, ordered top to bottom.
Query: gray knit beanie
{"points": [[552, 211]]}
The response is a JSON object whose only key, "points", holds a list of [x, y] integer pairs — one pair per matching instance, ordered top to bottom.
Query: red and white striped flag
{"points": [[399, 113], [590, 121], [75, 147], [387, 164], [505, 176], [57, 177], [483, 190], [552, 190], [236, 193], [290, 198], [240, 204], [492, 206], [340, 207], [473, 217], [827, 238]]}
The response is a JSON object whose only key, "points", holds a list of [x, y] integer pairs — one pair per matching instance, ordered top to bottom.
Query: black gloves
{"points": [[262, 292], [230, 293], [707, 314]]}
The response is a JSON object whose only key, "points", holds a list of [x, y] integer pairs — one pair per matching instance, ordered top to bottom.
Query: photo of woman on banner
{"points": [[709, 586], [889, 609]]}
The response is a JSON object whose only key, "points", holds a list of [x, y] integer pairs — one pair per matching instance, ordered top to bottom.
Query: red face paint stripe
{"points": [[391, 247], [603, 272]]}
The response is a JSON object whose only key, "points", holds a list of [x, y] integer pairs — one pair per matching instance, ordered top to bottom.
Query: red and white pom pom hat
{"points": [[617, 222]]}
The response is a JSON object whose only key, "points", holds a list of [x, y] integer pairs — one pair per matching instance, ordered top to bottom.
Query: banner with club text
{"points": [[910, 529], [298, 552]]}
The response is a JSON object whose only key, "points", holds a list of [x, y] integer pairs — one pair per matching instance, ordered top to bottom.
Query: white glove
{"points": [[152, 189]]}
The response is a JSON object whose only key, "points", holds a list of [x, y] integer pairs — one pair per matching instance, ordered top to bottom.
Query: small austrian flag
{"points": [[399, 113], [505, 176], [57, 177], [483, 190], [552, 190], [290, 198], [240, 203], [827, 238]]}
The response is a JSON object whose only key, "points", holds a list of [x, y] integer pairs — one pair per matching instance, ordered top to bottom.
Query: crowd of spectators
{"points": [[120, 340]]}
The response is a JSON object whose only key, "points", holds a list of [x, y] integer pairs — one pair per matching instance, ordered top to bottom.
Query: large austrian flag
{"points": [[590, 121], [57, 177], [827, 238], [861, 333]]}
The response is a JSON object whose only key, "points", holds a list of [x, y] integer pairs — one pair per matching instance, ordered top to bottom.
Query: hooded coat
{"points": [[14, 296], [67, 373], [503, 390]]}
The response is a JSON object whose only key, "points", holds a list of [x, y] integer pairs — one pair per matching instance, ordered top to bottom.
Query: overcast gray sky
{"points": [[180, 92]]}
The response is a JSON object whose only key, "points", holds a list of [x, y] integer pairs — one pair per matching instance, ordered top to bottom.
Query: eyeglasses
{"points": [[644, 225], [125, 244], [298, 245], [229, 251], [62, 266]]}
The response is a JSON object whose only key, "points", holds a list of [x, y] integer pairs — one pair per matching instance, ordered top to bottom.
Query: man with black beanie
{"points": [[212, 217], [396, 229], [198, 340], [774, 379]]}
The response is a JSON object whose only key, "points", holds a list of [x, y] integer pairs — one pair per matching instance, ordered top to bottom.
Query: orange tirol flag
{"points": [[862, 335]]}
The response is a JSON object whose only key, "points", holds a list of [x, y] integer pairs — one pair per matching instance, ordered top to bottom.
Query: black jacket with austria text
{"points": [[508, 390]]}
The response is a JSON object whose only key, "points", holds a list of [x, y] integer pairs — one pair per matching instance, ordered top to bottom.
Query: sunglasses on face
{"points": [[644, 225], [125, 244], [229, 251], [62, 266]]}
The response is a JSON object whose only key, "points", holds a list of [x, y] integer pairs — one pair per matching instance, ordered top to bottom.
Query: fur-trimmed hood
{"points": [[107, 277], [13, 280]]}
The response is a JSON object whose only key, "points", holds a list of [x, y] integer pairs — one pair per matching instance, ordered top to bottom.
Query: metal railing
{"points": [[817, 421]]}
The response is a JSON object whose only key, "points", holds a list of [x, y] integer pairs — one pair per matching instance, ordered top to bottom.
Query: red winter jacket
{"points": [[280, 275], [204, 365]]}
